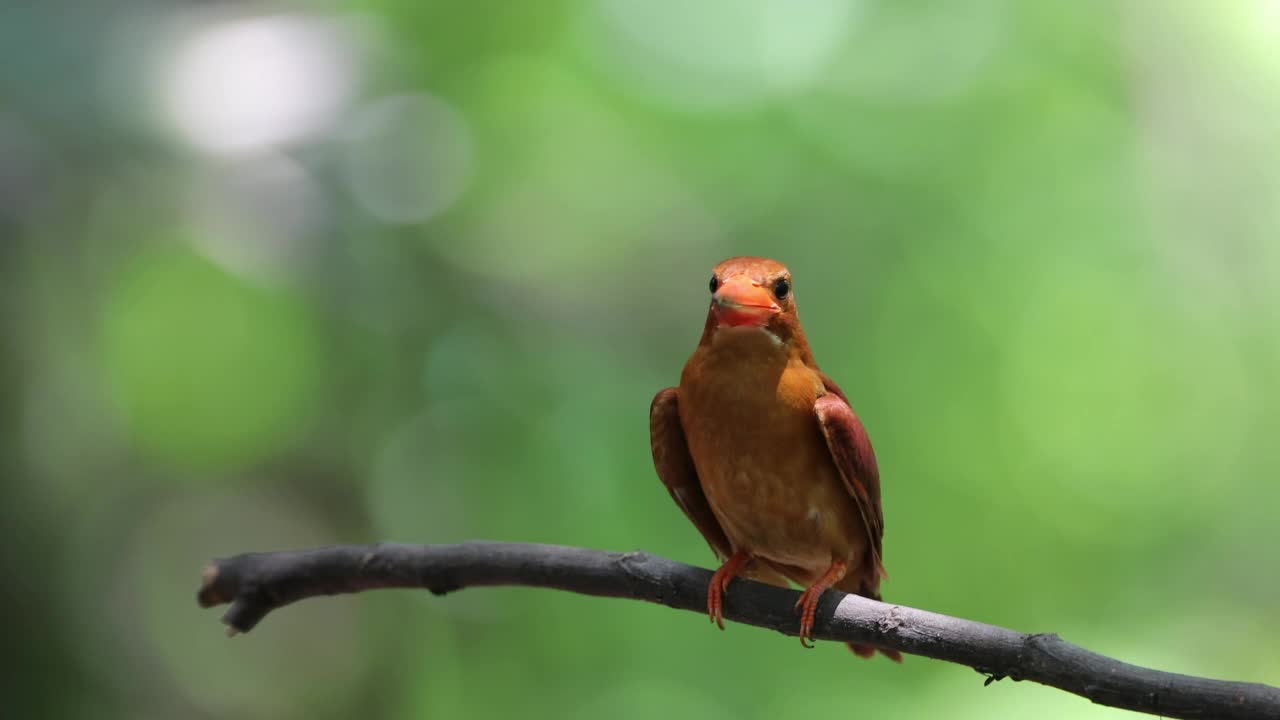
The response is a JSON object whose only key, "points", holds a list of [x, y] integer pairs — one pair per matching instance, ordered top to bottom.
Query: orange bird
{"points": [[762, 452]]}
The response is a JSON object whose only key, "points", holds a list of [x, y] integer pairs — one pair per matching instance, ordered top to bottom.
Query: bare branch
{"points": [[257, 583]]}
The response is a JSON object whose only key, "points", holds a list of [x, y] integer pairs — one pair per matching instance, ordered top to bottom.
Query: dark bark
{"points": [[257, 583]]}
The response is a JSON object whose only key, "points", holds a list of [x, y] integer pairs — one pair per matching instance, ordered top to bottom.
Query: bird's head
{"points": [[752, 297]]}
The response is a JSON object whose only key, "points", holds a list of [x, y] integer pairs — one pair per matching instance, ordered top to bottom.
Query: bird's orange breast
{"points": [[761, 456]]}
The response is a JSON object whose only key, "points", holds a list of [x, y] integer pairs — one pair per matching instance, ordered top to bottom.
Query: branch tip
{"points": [[208, 596]]}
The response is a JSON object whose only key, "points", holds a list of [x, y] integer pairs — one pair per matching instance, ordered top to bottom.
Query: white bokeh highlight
{"points": [[247, 84]]}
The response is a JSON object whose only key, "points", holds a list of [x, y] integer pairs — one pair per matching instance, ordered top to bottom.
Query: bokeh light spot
{"points": [[919, 52], [720, 53], [249, 83], [408, 158], [260, 215], [207, 371]]}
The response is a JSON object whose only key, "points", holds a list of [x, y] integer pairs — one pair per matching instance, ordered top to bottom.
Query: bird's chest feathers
{"points": [[750, 413], [758, 449]]}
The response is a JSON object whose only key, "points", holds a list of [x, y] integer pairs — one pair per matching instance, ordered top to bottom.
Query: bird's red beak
{"points": [[743, 302]]}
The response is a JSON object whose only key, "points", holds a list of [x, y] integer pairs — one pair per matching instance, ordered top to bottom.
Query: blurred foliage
{"points": [[281, 275]]}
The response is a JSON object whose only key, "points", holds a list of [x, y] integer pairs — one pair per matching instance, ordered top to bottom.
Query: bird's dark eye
{"points": [[715, 283], [781, 289]]}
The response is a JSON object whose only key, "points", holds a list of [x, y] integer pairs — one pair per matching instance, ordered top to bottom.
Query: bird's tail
{"points": [[856, 586], [869, 651]]}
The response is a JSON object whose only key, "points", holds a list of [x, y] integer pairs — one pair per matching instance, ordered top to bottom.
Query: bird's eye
{"points": [[715, 283], [781, 289]]}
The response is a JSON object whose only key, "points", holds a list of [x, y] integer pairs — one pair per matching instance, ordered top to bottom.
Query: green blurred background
{"points": [[278, 275]]}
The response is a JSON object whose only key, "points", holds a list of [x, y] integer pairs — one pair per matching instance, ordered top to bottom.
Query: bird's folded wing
{"points": [[851, 449], [675, 468]]}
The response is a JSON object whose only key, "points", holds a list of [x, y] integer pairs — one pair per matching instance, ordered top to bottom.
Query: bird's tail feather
{"points": [[869, 651]]}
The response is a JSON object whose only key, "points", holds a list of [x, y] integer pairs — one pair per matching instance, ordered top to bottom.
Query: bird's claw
{"points": [[720, 585], [715, 598], [808, 601], [807, 604], [714, 610]]}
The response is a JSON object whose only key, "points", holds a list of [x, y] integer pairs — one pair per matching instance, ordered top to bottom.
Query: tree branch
{"points": [[257, 583]]}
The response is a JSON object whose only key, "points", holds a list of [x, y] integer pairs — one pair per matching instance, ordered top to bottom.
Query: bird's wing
{"points": [[851, 450], [675, 468]]}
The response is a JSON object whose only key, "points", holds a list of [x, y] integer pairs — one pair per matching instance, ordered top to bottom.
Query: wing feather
{"points": [[851, 450], [675, 468]]}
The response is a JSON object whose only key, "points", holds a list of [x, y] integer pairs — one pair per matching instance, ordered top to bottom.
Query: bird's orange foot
{"points": [[720, 584], [808, 602]]}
